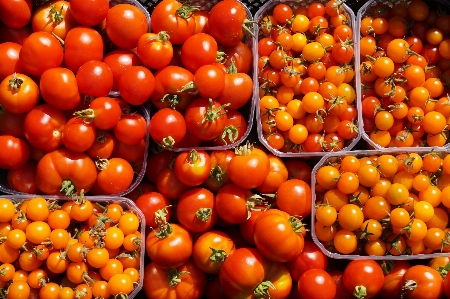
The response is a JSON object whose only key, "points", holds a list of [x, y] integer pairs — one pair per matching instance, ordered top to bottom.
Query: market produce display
{"points": [[156, 107]]}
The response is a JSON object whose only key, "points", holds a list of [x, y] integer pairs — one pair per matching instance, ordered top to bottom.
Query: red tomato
{"points": [[15, 13], [89, 13], [53, 17], [175, 19], [225, 22], [125, 24], [82, 44], [155, 50], [198, 50], [40, 51], [9, 55], [241, 56], [118, 61], [95, 78], [209, 80], [136, 85], [59, 88], [238, 90], [18, 93], [104, 112], [205, 118], [12, 124], [43, 127], [167, 127], [235, 128], [131, 129], [78, 136], [103, 146], [15, 152], [192, 168], [249, 168], [64, 172], [277, 175], [115, 176], [23, 179], [169, 185], [294, 197], [149, 203], [234, 204], [196, 210], [278, 236], [169, 246], [311, 257], [363, 276], [316, 279], [186, 281], [422, 282], [392, 286]]}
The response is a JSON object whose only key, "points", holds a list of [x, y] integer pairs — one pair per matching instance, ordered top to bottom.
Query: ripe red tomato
{"points": [[16, 13], [89, 13], [53, 17], [175, 19], [225, 22], [125, 24], [82, 44], [155, 50], [198, 50], [40, 51], [9, 55], [241, 56], [118, 61], [95, 78], [209, 80], [136, 85], [58, 87], [238, 90], [18, 93], [12, 124], [43, 127], [167, 127], [235, 128], [131, 129], [78, 136], [15, 152], [156, 163], [192, 168], [249, 168], [64, 172], [115, 176], [218, 178], [23, 179], [169, 185], [294, 197], [149, 203], [233, 204], [196, 210], [277, 236], [171, 248], [311, 257], [363, 276], [316, 279], [186, 281], [421, 282], [392, 286]]}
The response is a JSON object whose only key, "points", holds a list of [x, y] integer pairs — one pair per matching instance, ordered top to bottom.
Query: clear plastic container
{"points": [[262, 12], [362, 12], [248, 110], [359, 154], [5, 188], [127, 204]]}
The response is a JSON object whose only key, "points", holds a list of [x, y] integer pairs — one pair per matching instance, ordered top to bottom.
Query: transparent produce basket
{"points": [[262, 12], [362, 12], [142, 110], [248, 110], [330, 158], [126, 203]]}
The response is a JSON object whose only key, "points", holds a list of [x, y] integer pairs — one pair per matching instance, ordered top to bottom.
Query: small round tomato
{"points": [[89, 13], [16, 14], [53, 17], [118, 61], [94, 78], [136, 85], [58, 87], [238, 90], [18, 93], [167, 127], [131, 129], [78, 136], [15, 152], [192, 168], [115, 175], [363, 277], [314, 279], [422, 281]]}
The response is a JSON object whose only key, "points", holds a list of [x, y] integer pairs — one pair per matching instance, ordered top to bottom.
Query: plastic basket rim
{"points": [[263, 9], [365, 153]]}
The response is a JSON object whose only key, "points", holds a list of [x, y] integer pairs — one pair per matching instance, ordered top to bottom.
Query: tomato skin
{"points": [[16, 13], [89, 13], [166, 18], [42, 20], [225, 22], [125, 24], [82, 44], [155, 50], [198, 50], [40, 51], [9, 55], [241, 56], [118, 61], [94, 78], [136, 85], [58, 87], [238, 90], [21, 100], [107, 112], [205, 118], [235, 120], [166, 123], [43, 127], [131, 129], [77, 135], [15, 152], [62, 164], [192, 168], [249, 170], [116, 177], [23, 178], [294, 197], [190, 203], [231, 203], [171, 251], [311, 257], [365, 273], [313, 280], [429, 282], [191, 284], [392, 286]]}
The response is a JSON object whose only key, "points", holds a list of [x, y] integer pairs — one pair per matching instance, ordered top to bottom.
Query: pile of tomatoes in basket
{"points": [[405, 67], [306, 78], [69, 249]]}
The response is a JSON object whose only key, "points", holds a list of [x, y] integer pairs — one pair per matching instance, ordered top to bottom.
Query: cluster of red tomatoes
{"points": [[404, 74], [306, 78], [201, 79], [60, 132], [384, 204], [80, 249]]}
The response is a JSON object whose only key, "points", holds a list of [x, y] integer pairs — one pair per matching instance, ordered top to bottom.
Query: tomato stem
{"points": [[186, 10], [56, 15], [246, 27], [232, 69], [15, 83], [189, 88], [172, 100], [87, 115], [231, 132], [167, 142], [244, 150], [101, 164], [217, 174], [68, 188], [203, 214], [217, 255], [173, 276], [410, 285], [262, 290], [360, 292], [79, 294]]}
